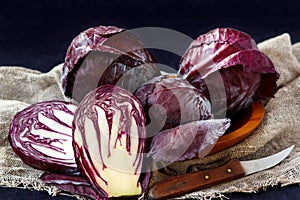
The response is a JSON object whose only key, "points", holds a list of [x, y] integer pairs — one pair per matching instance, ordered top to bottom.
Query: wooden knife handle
{"points": [[182, 184]]}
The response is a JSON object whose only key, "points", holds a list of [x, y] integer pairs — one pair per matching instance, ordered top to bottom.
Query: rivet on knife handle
{"points": [[182, 184]]}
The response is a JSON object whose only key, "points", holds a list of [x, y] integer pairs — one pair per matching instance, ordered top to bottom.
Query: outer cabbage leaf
{"points": [[187, 141], [73, 184]]}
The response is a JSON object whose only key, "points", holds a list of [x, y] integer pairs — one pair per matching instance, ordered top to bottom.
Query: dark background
{"points": [[36, 34]]}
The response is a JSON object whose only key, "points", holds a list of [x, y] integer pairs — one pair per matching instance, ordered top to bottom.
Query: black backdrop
{"points": [[36, 34]]}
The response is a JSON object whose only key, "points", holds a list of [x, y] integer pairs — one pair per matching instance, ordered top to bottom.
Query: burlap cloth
{"points": [[20, 87]]}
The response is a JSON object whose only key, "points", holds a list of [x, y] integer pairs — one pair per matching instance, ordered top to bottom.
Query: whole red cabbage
{"points": [[105, 55], [246, 73], [169, 102], [41, 135], [109, 140]]}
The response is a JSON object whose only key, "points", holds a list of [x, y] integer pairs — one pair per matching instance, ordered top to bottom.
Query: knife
{"points": [[234, 169]]}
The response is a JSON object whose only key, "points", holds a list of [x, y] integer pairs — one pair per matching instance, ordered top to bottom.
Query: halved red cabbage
{"points": [[212, 47], [103, 55], [247, 74], [169, 102], [41, 135], [109, 140], [187, 141]]}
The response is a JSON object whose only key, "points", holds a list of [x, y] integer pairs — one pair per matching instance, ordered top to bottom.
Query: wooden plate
{"points": [[242, 125]]}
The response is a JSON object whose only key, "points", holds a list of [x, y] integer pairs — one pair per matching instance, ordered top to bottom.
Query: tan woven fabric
{"points": [[282, 53], [20, 87]]}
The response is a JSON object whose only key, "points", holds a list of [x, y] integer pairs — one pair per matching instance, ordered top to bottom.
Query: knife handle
{"points": [[182, 184]]}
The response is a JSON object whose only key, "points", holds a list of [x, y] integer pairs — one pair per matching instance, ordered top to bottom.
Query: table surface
{"points": [[36, 34]]}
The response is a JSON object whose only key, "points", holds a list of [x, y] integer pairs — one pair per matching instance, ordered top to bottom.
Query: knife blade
{"points": [[234, 169]]}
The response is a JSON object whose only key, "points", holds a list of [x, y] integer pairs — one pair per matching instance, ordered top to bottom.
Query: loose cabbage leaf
{"points": [[187, 141]]}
